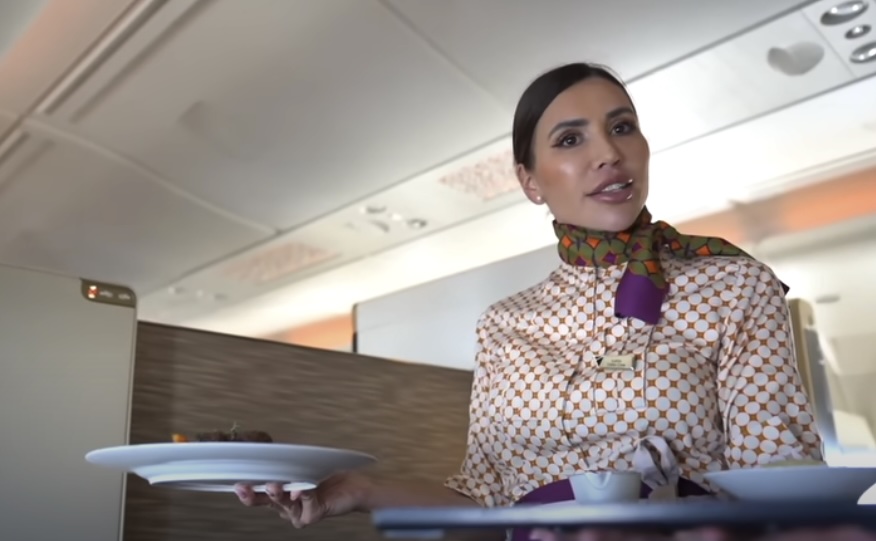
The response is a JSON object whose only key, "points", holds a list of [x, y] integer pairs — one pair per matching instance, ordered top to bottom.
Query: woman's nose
{"points": [[605, 153]]}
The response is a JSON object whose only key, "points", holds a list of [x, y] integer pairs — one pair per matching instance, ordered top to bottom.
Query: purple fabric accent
{"points": [[610, 258], [638, 297], [561, 491]]}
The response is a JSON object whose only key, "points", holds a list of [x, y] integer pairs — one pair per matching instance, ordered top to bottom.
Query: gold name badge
{"points": [[616, 363]]}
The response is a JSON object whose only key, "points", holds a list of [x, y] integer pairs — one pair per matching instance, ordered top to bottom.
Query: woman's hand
{"points": [[348, 492], [338, 495]]}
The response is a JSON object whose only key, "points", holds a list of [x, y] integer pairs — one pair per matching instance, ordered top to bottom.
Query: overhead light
{"points": [[844, 12], [858, 31], [864, 53], [373, 209], [374, 225]]}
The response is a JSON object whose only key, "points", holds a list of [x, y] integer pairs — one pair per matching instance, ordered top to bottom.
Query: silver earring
{"points": [[538, 199]]}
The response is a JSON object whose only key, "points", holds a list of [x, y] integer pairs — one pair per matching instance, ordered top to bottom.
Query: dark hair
{"points": [[540, 94]]}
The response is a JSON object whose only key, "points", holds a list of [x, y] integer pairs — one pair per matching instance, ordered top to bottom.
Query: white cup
{"points": [[606, 486]]}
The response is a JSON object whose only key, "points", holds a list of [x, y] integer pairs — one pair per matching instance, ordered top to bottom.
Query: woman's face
{"points": [[591, 160]]}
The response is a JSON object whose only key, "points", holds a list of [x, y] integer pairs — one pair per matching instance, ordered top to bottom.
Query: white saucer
{"points": [[218, 466], [795, 483]]}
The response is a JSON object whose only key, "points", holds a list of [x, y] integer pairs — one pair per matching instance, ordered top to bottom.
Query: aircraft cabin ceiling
{"points": [[247, 166]]}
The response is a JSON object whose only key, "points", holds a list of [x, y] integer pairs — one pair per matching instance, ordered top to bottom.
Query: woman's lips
{"points": [[614, 191]]}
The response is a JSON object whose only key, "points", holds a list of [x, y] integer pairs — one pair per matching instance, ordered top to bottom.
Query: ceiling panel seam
{"points": [[135, 17], [180, 17], [717, 43], [104, 47], [437, 50], [83, 65], [631, 80], [758, 116], [44, 127], [8, 178], [376, 194], [332, 264], [319, 268]]}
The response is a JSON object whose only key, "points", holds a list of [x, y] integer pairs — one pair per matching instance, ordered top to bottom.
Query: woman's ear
{"points": [[529, 184]]}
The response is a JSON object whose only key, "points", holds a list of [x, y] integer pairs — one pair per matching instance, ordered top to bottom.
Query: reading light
{"points": [[844, 12], [858, 31], [864, 54], [373, 209]]}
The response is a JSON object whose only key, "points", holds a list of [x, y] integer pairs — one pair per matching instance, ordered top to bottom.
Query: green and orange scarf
{"points": [[643, 287]]}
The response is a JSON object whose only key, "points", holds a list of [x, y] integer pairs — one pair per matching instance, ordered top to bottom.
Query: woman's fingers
{"points": [[278, 496], [249, 497], [287, 504], [300, 508], [312, 510]]}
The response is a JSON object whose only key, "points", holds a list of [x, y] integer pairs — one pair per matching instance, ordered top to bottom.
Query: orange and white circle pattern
{"points": [[716, 378]]}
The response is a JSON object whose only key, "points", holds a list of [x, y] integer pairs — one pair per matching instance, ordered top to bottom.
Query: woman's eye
{"points": [[623, 128], [569, 140]]}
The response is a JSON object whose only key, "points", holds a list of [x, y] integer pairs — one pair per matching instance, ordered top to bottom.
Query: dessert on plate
{"points": [[235, 434]]}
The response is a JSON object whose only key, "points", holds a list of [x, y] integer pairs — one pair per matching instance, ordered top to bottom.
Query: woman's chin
{"points": [[614, 218]]}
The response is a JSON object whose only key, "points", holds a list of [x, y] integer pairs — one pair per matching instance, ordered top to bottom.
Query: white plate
{"points": [[217, 466], [795, 483]]}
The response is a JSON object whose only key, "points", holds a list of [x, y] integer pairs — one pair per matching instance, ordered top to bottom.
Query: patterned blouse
{"points": [[715, 378]]}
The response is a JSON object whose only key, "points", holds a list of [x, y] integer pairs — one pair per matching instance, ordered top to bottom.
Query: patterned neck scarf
{"points": [[643, 286]]}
